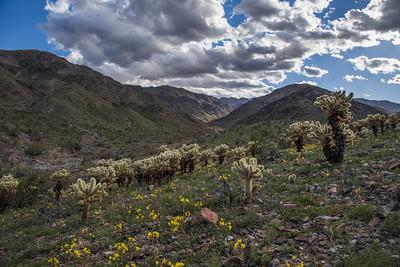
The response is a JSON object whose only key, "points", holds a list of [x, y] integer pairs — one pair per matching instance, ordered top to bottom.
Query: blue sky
{"points": [[20, 22]]}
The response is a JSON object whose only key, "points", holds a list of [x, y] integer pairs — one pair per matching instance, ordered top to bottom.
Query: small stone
{"points": [[394, 165], [363, 176], [332, 189], [289, 205], [384, 211], [205, 215], [328, 218], [374, 222], [280, 240], [353, 242], [275, 262]]}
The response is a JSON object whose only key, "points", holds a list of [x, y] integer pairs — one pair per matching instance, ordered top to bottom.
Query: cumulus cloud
{"points": [[153, 42], [376, 65], [314, 72], [351, 78], [394, 80], [308, 82]]}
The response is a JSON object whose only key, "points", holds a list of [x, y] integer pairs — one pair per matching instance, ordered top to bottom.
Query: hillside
{"points": [[234, 102], [292, 102], [47, 103], [387, 106], [202, 107]]}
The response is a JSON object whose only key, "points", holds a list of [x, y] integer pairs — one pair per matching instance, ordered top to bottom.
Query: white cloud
{"points": [[152, 42], [338, 56], [376, 65], [314, 72], [351, 78], [383, 80], [394, 80], [308, 82]]}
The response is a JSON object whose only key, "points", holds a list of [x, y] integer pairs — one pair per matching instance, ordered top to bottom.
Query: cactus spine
{"points": [[248, 169], [88, 194]]}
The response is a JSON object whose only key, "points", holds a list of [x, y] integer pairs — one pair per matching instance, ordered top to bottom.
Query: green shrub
{"points": [[34, 150], [363, 212], [391, 225], [372, 257]]}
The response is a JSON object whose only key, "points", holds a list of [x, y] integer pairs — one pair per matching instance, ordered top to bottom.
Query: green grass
{"points": [[37, 229]]}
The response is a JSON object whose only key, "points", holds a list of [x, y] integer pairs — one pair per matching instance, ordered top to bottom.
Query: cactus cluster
{"points": [[337, 106], [376, 122], [298, 133], [222, 152], [189, 154], [248, 169], [8, 188], [88, 193]]}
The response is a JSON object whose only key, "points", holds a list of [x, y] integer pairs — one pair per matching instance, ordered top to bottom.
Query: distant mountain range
{"points": [[47, 101], [292, 102], [48, 105], [387, 106]]}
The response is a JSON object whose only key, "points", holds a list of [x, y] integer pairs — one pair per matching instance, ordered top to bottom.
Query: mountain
{"points": [[234, 102], [292, 102], [48, 103], [387, 106], [202, 107]]}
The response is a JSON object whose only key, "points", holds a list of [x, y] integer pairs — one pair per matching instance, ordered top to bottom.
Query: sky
{"points": [[239, 48]]}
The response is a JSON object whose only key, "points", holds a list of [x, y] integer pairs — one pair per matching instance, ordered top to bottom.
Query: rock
{"points": [[394, 165], [363, 176], [332, 189], [289, 205], [384, 211], [205, 215], [327, 218], [276, 221], [374, 221], [284, 229], [302, 238], [280, 240], [353, 242], [275, 262]]}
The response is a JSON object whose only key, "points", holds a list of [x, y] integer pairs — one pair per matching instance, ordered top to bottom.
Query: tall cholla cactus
{"points": [[337, 105], [393, 120], [374, 123], [298, 133], [253, 148], [221, 151], [189, 154], [206, 157], [248, 169], [59, 178], [8, 188], [88, 194]]}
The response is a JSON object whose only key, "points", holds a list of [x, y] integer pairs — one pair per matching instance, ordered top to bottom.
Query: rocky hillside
{"points": [[234, 102], [292, 102], [47, 103], [202, 107]]}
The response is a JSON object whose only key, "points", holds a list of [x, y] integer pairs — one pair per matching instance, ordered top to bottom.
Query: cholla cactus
{"points": [[337, 105], [393, 120], [374, 122], [358, 125], [364, 132], [298, 133], [324, 134], [253, 148], [221, 151], [238, 153], [189, 154], [207, 156], [248, 169], [124, 172], [105, 174], [59, 178], [8, 188], [88, 194]]}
